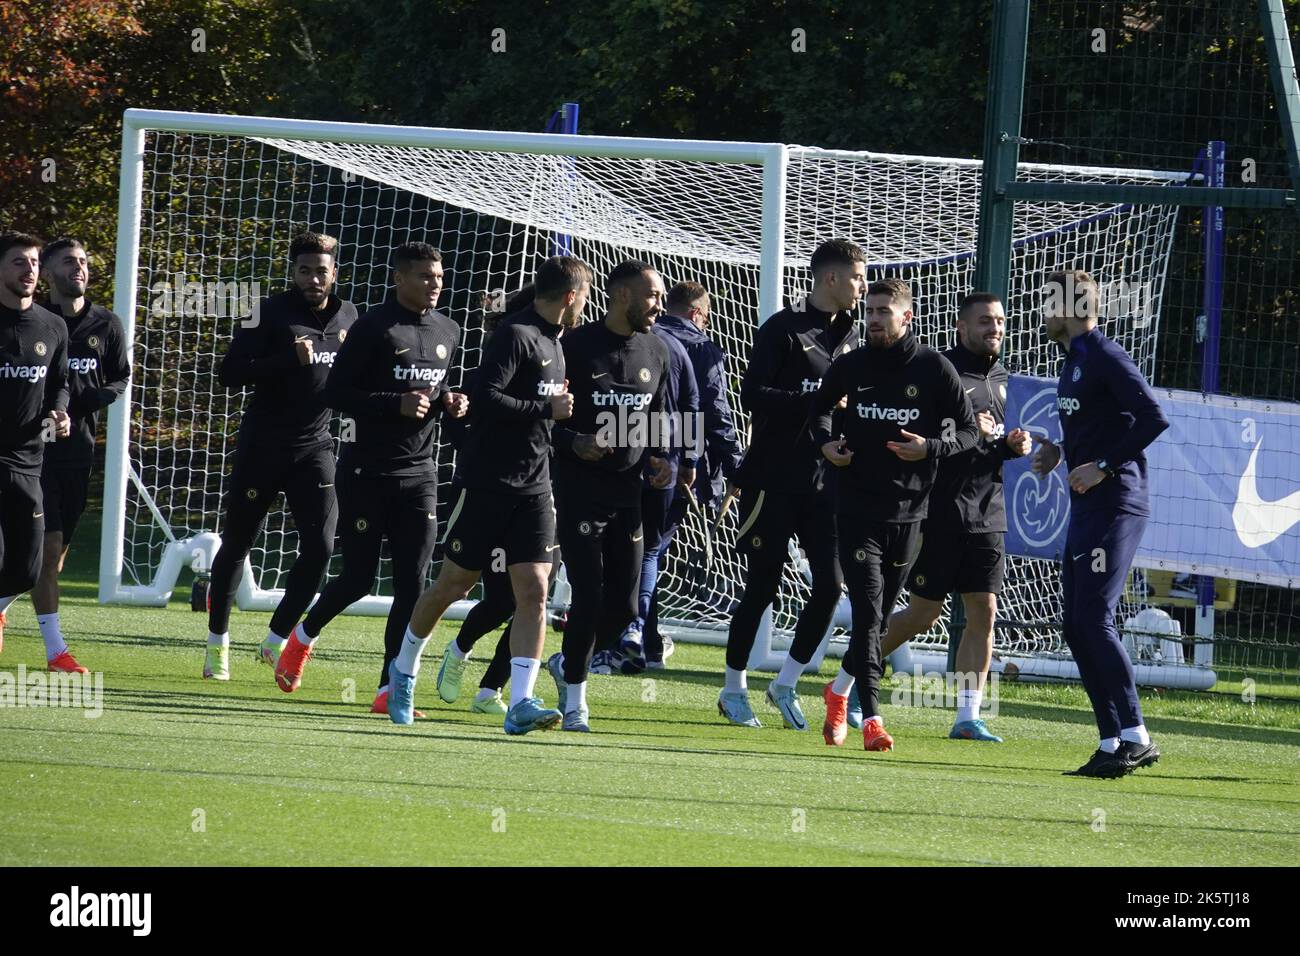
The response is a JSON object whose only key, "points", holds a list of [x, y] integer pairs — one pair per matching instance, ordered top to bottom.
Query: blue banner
{"points": [[1224, 480]]}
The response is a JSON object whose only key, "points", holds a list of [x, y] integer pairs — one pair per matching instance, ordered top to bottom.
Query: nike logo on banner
{"points": [[401, 351], [1259, 522]]}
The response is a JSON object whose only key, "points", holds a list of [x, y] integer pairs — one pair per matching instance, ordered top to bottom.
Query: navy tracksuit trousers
{"points": [[1099, 552]]}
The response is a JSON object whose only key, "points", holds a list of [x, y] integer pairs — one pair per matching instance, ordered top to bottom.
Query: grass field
{"points": [[313, 778]]}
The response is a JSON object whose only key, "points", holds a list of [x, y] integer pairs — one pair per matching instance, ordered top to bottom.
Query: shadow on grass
{"points": [[810, 686], [578, 788]]}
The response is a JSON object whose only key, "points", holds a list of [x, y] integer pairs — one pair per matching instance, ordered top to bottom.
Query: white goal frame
{"points": [[200, 549]]}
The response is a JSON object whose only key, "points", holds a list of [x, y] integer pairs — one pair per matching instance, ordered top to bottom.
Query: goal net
{"points": [[211, 203]]}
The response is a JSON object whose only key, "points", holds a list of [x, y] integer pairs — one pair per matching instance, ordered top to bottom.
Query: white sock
{"points": [[6, 601], [301, 635], [218, 640], [274, 640], [54, 642], [454, 650], [408, 658], [790, 671], [523, 677], [735, 681], [843, 682], [486, 693], [575, 698], [968, 704], [875, 717], [1137, 735], [1109, 744]]}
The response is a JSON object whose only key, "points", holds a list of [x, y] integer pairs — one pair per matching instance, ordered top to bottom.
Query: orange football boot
{"points": [[294, 657], [66, 664], [836, 729], [874, 736]]}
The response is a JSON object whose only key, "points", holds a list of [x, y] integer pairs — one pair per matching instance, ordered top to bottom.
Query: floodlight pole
{"points": [[1007, 51], [1286, 89], [1006, 94]]}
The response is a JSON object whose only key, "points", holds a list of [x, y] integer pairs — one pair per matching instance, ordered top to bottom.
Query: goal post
{"points": [[183, 545]]}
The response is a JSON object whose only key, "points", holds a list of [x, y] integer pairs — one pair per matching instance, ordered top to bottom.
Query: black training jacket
{"points": [[391, 350], [792, 351], [98, 372], [907, 386], [288, 407], [967, 495]]}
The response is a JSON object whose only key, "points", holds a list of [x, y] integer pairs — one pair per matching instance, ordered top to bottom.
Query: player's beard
{"points": [[70, 289], [19, 291], [309, 294], [641, 321], [879, 340], [984, 347]]}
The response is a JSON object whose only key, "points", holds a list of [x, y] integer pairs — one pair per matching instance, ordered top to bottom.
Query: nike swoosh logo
{"points": [[809, 348], [401, 351], [546, 362], [598, 374], [865, 388], [971, 389], [325, 486], [41, 515], [431, 517], [1259, 522], [638, 537], [551, 548], [1078, 556], [899, 564]]}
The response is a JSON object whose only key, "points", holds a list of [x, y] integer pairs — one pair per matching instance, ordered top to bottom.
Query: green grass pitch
{"points": [[179, 770]]}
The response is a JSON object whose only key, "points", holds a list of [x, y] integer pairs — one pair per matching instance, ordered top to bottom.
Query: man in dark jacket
{"points": [[687, 314], [962, 549]]}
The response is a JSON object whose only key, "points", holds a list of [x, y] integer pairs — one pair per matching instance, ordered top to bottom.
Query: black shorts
{"points": [[65, 491], [388, 505], [769, 519], [481, 522], [22, 531], [958, 562]]}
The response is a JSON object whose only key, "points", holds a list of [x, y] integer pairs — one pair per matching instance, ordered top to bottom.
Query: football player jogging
{"points": [[686, 315], [283, 352], [98, 372], [619, 374], [389, 380], [519, 391], [34, 399], [906, 410], [1108, 417], [785, 492], [962, 549], [497, 603], [641, 642]]}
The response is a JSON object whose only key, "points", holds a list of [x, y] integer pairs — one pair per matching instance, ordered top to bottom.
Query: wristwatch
{"points": [[1106, 468]]}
